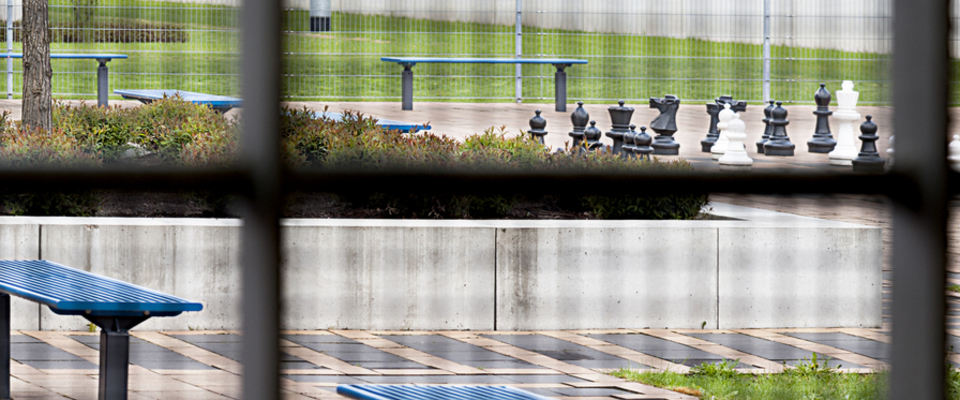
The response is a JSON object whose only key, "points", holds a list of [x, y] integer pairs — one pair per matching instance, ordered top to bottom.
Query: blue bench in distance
{"points": [[560, 78], [103, 85], [221, 104], [403, 127], [115, 306], [435, 392]]}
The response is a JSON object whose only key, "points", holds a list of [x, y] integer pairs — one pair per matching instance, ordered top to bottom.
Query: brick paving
{"points": [[560, 364]]}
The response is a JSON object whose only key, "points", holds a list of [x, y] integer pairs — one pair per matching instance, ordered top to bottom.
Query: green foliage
{"points": [[954, 288], [812, 367], [722, 369]]}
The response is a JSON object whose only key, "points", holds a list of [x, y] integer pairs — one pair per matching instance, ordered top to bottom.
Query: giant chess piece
{"points": [[713, 109], [726, 115], [847, 115], [620, 117], [579, 118], [537, 125], [665, 125], [768, 128], [592, 135], [822, 141], [779, 143], [642, 144], [629, 148], [890, 151], [953, 153], [736, 154], [868, 160]]}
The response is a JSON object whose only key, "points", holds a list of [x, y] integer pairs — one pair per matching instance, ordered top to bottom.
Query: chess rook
{"points": [[713, 109], [726, 115], [846, 115], [620, 117], [579, 118], [537, 125], [665, 125], [768, 129], [822, 141], [779, 144], [736, 154], [868, 160]]}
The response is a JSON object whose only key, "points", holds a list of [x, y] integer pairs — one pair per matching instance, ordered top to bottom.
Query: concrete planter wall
{"points": [[764, 270]]}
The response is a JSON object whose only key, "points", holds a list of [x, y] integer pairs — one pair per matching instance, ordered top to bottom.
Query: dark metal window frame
{"points": [[920, 185]]}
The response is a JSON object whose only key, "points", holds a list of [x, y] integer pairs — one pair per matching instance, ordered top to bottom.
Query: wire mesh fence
{"points": [[696, 49]]}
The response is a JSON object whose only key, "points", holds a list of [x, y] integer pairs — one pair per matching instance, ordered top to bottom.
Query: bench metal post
{"points": [[102, 83], [407, 87], [560, 87], [5, 346], [114, 357]]}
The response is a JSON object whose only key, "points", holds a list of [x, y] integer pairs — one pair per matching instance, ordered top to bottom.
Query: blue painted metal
{"points": [[78, 56], [411, 61], [216, 102], [403, 127], [70, 291], [436, 392]]}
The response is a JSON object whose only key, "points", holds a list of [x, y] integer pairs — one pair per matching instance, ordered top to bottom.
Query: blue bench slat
{"points": [[71, 55], [481, 60], [212, 100], [404, 127], [72, 291], [433, 392]]}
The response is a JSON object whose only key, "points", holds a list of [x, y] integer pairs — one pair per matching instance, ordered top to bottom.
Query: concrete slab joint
{"points": [[757, 269]]}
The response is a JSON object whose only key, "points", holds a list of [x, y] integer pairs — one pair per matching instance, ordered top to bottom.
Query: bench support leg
{"points": [[102, 83], [407, 87], [560, 87], [4, 346], [114, 357]]}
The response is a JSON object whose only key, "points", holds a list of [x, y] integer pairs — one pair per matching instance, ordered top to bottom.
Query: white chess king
{"points": [[847, 116], [736, 155]]}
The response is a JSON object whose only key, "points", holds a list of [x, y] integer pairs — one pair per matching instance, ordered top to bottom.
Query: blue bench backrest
{"points": [[433, 392]]}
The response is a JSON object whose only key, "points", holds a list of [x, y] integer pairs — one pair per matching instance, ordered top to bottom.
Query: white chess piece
{"points": [[847, 115], [720, 147], [890, 150], [953, 153], [736, 155]]}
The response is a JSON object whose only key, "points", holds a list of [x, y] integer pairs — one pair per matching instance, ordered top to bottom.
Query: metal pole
{"points": [[320, 13], [9, 49], [519, 51], [766, 51], [260, 64], [103, 83], [920, 96], [4, 345], [114, 357]]}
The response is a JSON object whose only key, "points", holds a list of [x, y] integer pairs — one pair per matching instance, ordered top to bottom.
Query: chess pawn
{"points": [[726, 115], [846, 115], [620, 117], [579, 118], [537, 125], [665, 125], [768, 128], [592, 135], [822, 141], [779, 143], [642, 144], [629, 149], [953, 153], [736, 154], [868, 160]]}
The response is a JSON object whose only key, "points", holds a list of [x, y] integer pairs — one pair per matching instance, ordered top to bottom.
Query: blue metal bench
{"points": [[560, 78], [103, 85], [221, 104], [403, 127], [115, 306], [436, 392]]}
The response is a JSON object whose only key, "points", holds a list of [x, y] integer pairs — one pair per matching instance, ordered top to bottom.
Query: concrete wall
{"points": [[767, 270]]}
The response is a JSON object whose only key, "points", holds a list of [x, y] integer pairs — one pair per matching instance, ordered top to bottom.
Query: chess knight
{"points": [[665, 125]]}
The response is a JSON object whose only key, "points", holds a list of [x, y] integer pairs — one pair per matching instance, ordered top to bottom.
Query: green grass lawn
{"points": [[345, 64]]}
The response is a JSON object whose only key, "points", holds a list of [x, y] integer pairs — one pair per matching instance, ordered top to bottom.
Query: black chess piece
{"points": [[713, 109], [620, 117], [579, 118], [537, 125], [665, 125], [768, 128], [593, 135], [822, 141], [779, 143], [642, 144], [629, 147], [868, 160]]}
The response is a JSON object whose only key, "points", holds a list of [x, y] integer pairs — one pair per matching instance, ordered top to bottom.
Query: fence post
{"points": [[320, 14], [9, 49], [766, 50], [519, 51]]}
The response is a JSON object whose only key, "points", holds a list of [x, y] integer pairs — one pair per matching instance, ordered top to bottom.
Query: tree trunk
{"points": [[37, 97]]}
